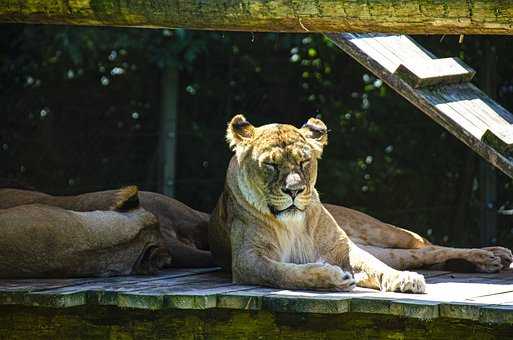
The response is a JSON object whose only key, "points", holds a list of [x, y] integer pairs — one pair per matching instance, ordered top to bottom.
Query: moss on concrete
{"points": [[104, 322]]}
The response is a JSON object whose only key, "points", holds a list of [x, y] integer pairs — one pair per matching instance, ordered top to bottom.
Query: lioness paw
{"points": [[503, 253], [486, 261], [331, 277], [343, 281], [404, 282]]}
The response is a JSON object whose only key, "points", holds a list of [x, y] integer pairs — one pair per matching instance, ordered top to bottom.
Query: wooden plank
{"points": [[413, 17], [434, 72], [460, 108], [428, 274], [28, 285], [32, 285], [73, 292], [184, 292], [200, 295], [475, 297], [504, 297], [443, 298], [250, 299], [65, 300], [306, 302], [418, 309], [460, 310], [496, 314]]}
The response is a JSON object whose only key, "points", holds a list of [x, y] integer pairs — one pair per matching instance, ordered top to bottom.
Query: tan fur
{"points": [[126, 196], [269, 226], [183, 230], [40, 240], [404, 249]]}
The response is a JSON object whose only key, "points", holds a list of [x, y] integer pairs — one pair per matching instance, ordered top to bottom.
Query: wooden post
{"points": [[168, 121], [487, 174]]}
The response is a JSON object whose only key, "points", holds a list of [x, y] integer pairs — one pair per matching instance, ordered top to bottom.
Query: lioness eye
{"points": [[304, 164], [271, 166]]}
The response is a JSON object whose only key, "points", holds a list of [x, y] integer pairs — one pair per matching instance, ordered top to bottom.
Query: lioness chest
{"points": [[296, 243]]}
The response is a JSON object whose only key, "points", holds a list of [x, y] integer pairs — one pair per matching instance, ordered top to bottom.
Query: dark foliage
{"points": [[81, 113]]}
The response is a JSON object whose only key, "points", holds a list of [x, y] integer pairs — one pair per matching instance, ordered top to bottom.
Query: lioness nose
{"points": [[293, 185], [293, 193]]}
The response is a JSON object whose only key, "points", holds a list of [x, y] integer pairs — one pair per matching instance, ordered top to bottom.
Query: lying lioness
{"points": [[270, 228], [183, 230], [41, 240]]}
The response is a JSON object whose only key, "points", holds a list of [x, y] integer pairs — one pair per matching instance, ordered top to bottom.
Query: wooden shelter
{"points": [[202, 303]]}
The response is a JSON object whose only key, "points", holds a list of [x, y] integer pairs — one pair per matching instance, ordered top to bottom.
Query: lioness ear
{"points": [[239, 130], [316, 130], [126, 199]]}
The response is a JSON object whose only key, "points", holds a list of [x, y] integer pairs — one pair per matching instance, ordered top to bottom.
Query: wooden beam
{"points": [[411, 17], [443, 71], [462, 109]]}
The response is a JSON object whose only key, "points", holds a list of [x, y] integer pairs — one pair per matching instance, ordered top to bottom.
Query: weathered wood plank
{"points": [[411, 17], [434, 72], [460, 108], [28, 285], [73, 292], [184, 292], [199, 295], [478, 297], [504, 297], [250, 299], [460, 310], [496, 314]]}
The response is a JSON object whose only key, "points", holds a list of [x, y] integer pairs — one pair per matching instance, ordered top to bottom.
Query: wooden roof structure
{"points": [[440, 88]]}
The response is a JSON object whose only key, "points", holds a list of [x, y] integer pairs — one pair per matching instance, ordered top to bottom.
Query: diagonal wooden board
{"points": [[461, 108]]}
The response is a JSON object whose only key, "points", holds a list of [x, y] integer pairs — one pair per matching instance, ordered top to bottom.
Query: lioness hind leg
{"points": [[364, 229], [484, 260]]}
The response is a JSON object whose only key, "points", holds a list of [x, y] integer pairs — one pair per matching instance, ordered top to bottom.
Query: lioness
{"points": [[270, 227], [40, 240]]}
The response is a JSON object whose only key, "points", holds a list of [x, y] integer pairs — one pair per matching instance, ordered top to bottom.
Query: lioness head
{"points": [[277, 163]]}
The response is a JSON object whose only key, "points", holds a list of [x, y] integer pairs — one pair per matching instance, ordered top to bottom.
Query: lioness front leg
{"points": [[255, 269], [367, 269], [372, 273]]}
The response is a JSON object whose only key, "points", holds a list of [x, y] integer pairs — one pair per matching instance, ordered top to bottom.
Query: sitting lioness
{"points": [[269, 226]]}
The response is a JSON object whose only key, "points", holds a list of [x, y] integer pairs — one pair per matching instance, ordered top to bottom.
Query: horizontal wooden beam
{"points": [[410, 17]]}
